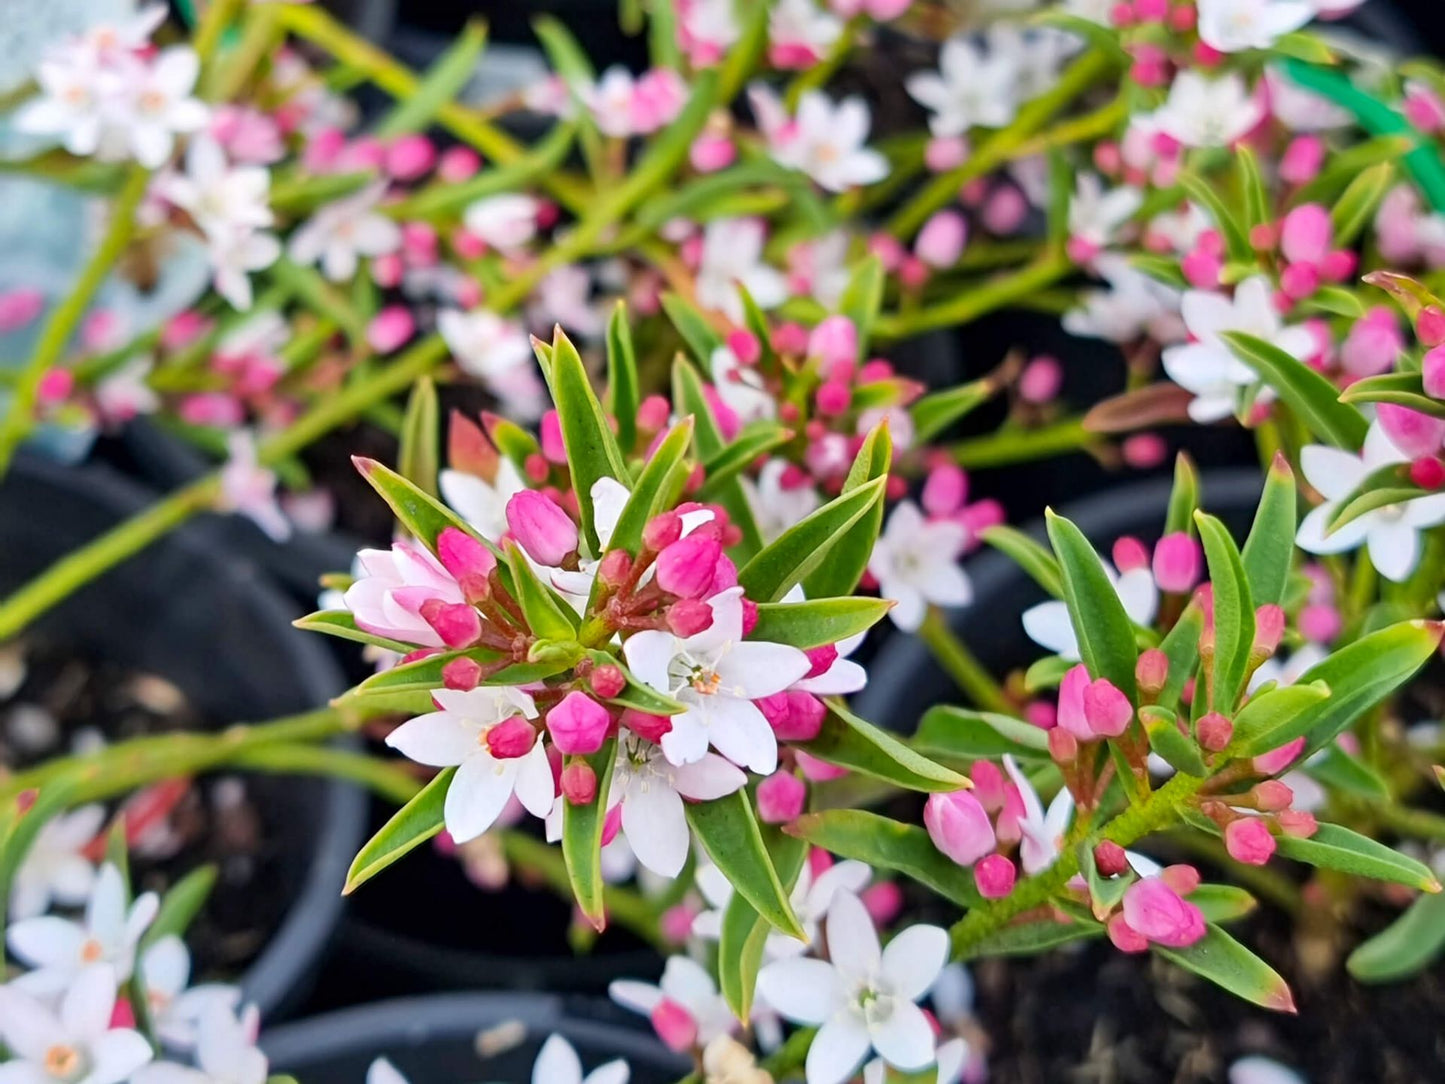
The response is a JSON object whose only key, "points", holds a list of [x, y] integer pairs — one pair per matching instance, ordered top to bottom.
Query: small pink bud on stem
{"points": [[541, 527], [662, 531], [468, 560], [1177, 563], [688, 566], [688, 617], [457, 623], [1151, 673], [462, 674], [607, 681], [1106, 709], [578, 724], [645, 725], [1214, 731], [511, 738], [579, 783], [781, 797], [959, 826], [1248, 840], [1109, 859], [994, 876]]}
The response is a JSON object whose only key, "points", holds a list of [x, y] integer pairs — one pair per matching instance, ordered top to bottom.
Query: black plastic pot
{"points": [[207, 620], [905, 681], [433, 1039]]}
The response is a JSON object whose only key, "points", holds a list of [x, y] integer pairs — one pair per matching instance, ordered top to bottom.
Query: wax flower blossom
{"points": [[824, 139], [915, 564], [73, 1041]]}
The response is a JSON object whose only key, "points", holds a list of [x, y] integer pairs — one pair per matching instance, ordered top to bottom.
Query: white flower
{"points": [[711, 25], [799, 26], [1231, 26], [971, 88], [69, 105], [161, 106], [1204, 112], [824, 140], [218, 196], [1096, 215], [506, 222], [345, 230], [234, 255], [732, 256], [1135, 305], [484, 344], [1208, 367], [741, 388], [126, 392], [249, 489], [481, 503], [777, 507], [1391, 534], [915, 564], [1048, 624], [717, 675], [456, 737], [650, 791], [1043, 833], [55, 869], [811, 899], [59, 949], [687, 985], [863, 998], [178, 1009], [74, 1045], [226, 1053], [952, 1058], [558, 1063], [1259, 1070], [382, 1071]]}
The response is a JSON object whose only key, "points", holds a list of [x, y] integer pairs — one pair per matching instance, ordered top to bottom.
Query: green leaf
{"points": [[566, 54], [444, 80], [1251, 184], [442, 198], [1354, 210], [1236, 236], [862, 298], [692, 325], [1402, 389], [624, 393], [1309, 394], [689, 398], [938, 410], [421, 438], [512, 440], [756, 440], [592, 451], [1383, 487], [652, 492], [1183, 497], [419, 513], [1269, 549], [795, 553], [849, 556], [1033, 558], [1233, 612], [548, 616], [817, 622], [342, 624], [1105, 633], [1181, 646], [1047, 673], [425, 674], [1361, 675], [636, 695], [1271, 718], [951, 733], [850, 742], [1171, 743], [1342, 773], [410, 826], [730, 835], [582, 837], [884, 843], [1337, 847], [1223, 903], [181, 904], [744, 933], [1032, 938], [1404, 948], [1226, 963]]}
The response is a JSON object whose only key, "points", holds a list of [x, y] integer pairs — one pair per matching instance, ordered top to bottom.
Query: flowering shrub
{"points": [[629, 607]]}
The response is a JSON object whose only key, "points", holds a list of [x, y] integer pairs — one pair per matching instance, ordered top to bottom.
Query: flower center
{"points": [[152, 102], [706, 680], [92, 951], [873, 1005], [64, 1062]]}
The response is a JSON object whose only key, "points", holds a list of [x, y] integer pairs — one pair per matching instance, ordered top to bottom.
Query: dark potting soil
{"points": [[53, 702]]}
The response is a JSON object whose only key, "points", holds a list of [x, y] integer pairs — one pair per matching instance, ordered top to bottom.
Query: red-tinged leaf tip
{"points": [[364, 465], [1281, 466], [1440, 775], [25, 800], [598, 922], [1281, 999]]}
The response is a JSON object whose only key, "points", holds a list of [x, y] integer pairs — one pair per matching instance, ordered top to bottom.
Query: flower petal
{"points": [[440, 739], [477, 795], [653, 819], [852, 938], [913, 960], [803, 989], [904, 1039], [837, 1049], [557, 1063]]}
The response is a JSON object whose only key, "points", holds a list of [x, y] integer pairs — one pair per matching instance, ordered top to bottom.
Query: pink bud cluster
{"points": [[1156, 910]]}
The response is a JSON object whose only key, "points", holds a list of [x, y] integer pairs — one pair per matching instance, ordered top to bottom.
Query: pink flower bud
{"points": [[710, 153], [942, 154], [410, 157], [1302, 159], [458, 164], [1005, 211], [1306, 234], [940, 243], [1202, 269], [19, 307], [1430, 326], [390, 329], [834, 341], [1373, 344], [745, 346], [1433, 371], [1042, 380], [55, 386], [833, 398], [550, 433], [1414, 433], [1144, 451], [1428, 473], [945, 490], [541, 527], [662, 530], [1130, 554], [467, 559], [1177, 563], [616, 566], [688, 567], [688, 617], [1320, 622], [457, 623], [1268, 628], [821, 658], [1152, 671], [462, 674], [607, 681], [1071, 703], [1106, 709], [804, 717], [578, 724], [645, 725], [1214, 731], [511, 738], [1063, 746], [1277, 760], [579, 783], [988, 784], [1271, 796], [781, 797], [1297, 823], [959, 826], [1248, 840], [1110, 859], [994, 875], [1181, 878], [883, 900], [1158, 913], [676, 923], [1125, 938], [674, 1026]]}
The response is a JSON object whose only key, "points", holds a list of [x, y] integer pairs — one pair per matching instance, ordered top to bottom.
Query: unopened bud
{"points": [[1430, 326], [1432, 372], [1428, 472], [541, 527], [662, 531], [1129, 553], [468, 560], [1177, 563], [615, 567], [688, 567], [688, 617], [456, 623], [1269, 623], [821, 658], [1152, 672], [462, 674], [607, 681], [1106, 709], [804, 719], [578, 724], [646, 725], [1214, 731], [511, 738], [1063, 746], [579, 783], [1271, 796], [781, 797], [1297, 823], [959, 826], [1248, 840], [1110, 859], [994, 876], [1181, 878], [1125, 938]]}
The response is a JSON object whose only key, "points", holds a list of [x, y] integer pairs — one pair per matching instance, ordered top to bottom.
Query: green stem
{"points": [[969, 304], [67, 315], [1019, 445], [968, 673], [383, 778]]}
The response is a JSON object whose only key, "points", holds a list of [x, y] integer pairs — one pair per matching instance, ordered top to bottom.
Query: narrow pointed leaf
{"points": [[443, 81], [1355, 208], [1235, 233], [862, 298], [702, 340], [1402, 389], [624, 392], [1309, 394], [689, 397], [421, 438], [756, 440], [652, 493], [1183, 497], [420, 514], [803, 547], [1269, 549], [849, 556], [1033, 558], [1233, 612], [548, 616], [817, 622], [342, 624], [1105, 633], [1271, 718], [951, 733], [851, 742], [1171, 743], [1344, 774], [410, 826], [729, 833], [582, 838], [885, 843], [1336, 847], [1223, 903], [181, 904], [745, 934], [1033, 938], [1404, 948], [1222, 960]]}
